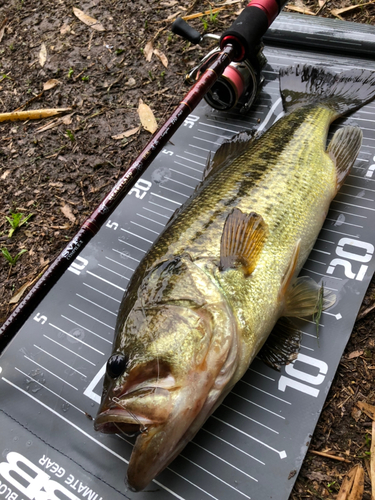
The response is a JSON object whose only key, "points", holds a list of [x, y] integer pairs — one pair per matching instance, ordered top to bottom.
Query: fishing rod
{"points": [[234, 66]]}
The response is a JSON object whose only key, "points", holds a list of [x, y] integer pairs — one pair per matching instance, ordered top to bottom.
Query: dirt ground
{"points": [[57, 170]]}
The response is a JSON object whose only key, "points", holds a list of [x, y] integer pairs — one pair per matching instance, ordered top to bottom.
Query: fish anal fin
{"points": [[343, 150], [228, 152], [242, 240], [289, 273], [307, 298], [282, 345]]}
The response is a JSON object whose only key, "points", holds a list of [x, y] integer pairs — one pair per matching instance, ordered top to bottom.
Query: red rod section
{"points": [[92, 225]]}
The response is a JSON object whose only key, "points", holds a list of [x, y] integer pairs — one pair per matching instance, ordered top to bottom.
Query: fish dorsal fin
{"points": [[343, 150], [228, 151], [242, 240], [289, 273], [306, 298], [282, 345]]}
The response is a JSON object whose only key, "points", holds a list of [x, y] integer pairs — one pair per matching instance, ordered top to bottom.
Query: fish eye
{"points": [[116, 365]]}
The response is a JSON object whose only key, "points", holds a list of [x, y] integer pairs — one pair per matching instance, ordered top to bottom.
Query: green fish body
{"points": [[210, 291]]}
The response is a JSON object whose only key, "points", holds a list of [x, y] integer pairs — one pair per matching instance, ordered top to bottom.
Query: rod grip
{"points": [[247, 30]]}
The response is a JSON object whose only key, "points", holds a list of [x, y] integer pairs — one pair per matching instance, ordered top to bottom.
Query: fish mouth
{"points": [[134, 411]]}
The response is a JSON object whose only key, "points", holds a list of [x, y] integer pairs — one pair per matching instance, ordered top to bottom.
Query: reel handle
{"points": [[183, 29]]}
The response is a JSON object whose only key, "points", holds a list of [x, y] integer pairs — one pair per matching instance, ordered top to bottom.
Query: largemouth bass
{"points": [[222, 277]]}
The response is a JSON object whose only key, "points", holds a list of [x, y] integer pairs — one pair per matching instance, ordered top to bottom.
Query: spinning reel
{"points": [[241, 81]]}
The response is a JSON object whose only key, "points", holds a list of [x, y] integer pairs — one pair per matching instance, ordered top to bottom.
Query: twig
{"points": [[29, 101], [34, 114], [364, 313], [328, 455], [372, 461]]}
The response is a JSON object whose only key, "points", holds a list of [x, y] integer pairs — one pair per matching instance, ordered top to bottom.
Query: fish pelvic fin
{"points": [[309, 85], [343, 150], [228, 152], [242, 241], [304, 298], [307, 298], [282, 345]]}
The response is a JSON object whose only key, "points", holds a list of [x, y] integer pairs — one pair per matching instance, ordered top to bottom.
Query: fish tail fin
{"points": [[342, 92]]}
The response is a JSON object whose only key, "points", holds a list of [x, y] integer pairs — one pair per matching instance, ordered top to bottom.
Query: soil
{"points": [[59, 169]]}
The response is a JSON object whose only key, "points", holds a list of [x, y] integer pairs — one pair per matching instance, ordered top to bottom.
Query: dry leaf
{"points": [[321, 3], [169, 4], [301, 10], [338, 12], [89, 21], [65, 28], [2, 30], [148, 51], [43, 54], [162, 57], [50, 84], [147, 117], [67, 119], [127, 133], [5, 174], [67, 211], [17, 296], [355, 354], [367, 408]]}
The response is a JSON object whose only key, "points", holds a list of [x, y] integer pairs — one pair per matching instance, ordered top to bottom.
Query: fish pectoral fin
{"points": [[343, 150], [228, 152], [242, 240], [289, 273], [306, 298], [282, 345]]}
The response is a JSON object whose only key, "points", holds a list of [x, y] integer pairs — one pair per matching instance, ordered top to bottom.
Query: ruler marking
{"points": [[105, 281], [102, 293], [95, 304], [92, 317], [85, 328], [73, 352], [60, 361]]}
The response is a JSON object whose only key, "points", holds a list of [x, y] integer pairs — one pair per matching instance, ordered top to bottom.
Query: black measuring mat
{"points": [[51, 373]]}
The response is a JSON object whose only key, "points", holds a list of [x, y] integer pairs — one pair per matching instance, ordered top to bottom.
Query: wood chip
{"points": [[89, 21], [65, 28], [148, 51], [43, 55], [162, 57], [147, 117], [127, 133], [67, 211], [355, 354], [367, 408], [353, 485]]}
